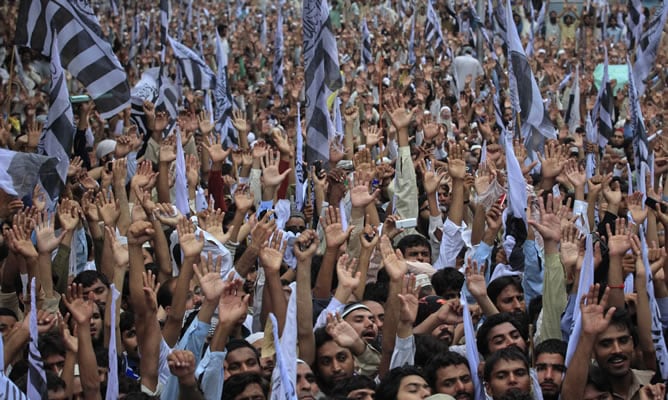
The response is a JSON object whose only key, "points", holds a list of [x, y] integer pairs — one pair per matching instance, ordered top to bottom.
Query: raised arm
{"points": [[304, 249]]}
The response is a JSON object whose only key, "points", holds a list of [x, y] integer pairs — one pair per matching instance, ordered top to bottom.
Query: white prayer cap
{"points": [[104, 148], [254, 337]]}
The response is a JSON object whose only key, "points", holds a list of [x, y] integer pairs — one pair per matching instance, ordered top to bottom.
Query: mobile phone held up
{"points": [[406, 223]]}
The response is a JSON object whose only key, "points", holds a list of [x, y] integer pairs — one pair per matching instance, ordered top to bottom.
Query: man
{"points": [[466, 65], [415, 248], [447, 283], [95, 286], [507, 295], [378, 312], [7, 320], [362, 320], [499, 332], [241, 358], [333, 363], [550, 367], [449, 373], [507, 375], [307, 387], [356, 387]]}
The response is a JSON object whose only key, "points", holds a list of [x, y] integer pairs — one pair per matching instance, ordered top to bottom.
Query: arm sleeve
{"points": [[255, 185], [405, 189], [435, 223], [451, 244], [532, 280], [554, 298], [333, 307], [404, 352], [368, 362], [210, 374]]}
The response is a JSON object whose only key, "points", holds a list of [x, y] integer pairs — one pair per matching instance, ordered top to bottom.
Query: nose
{"points": [[517, 305], [616, 347], [337, 367], [549, 374], [512, 379], [304, 384], [459, 385], [425, 392]]}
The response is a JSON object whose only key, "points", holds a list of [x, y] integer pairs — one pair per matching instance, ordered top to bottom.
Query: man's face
{"points": [[617, 139], [295, 225], [418, 253], [97, 292], [511, 300], [378, 313], [364, 323], [6, 324], [96, 324], [444, 332], [503, 336], [129, 339], [614, 349], [241, 360], [55, 362], [334, 362], [549, 369], [508, 376], [456, 381], [413, 387], [307, 388], [592, 393], [58, 394]]}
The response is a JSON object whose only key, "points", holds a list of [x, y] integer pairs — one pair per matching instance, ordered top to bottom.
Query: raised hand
{"points": [[400, 116], [239, 121], [204, 122], [373, 135], [282, 142], [168, 149], [215, 149], [553, 162], [456, 165], [75, 166], [120, 171], [575, 174], [271, 177], [144, 178], [484, 178], [430, 179], [611, 191], [359, 195], [39, 198], [243, 198], [108, 207], [636, 207], [68, 214], [167, 214], [551, 215], [390, 227], [264, 228], [139, 232], [335, 236], [369, 238], [19, 241], [47, 241], [619, 242], [191, 244], [570, 244], [306, 245], [120, 252], [271, 254], [393, 260], [345, 271], [208, 275], [475, 278], [151, 286], [409, 300], [233, 301], [81, 309], [595, 319], [341, 331], [182, 365]]}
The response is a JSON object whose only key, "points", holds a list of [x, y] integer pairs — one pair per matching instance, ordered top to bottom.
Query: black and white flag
{"points": [[165, 13], [634, 22], [433, 34], [647, 46], [365, 47], [84, 50], [277, 68], [198, 74], [321, 75], [529, 100], [224, 102], [604, 106], [573, 109], [58, 134], [640, 142], [21, 172], [37, 388]]}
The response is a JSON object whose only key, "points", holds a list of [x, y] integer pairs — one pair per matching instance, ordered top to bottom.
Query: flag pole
{"points": [[8, 101]]}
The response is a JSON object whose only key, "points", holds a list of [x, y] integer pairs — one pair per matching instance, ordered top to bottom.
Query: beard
{"points": [[553, 21], [515, 394]]}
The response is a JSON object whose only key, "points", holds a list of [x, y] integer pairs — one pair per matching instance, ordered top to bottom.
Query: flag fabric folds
{"points": [[165, 11], [634, 21], [433, 34], [411, 42], [366, 44], [647, 47], [83, 48], [277, 68], [197, 73], [322, 77], [223, 98], [604, 106], [531, 108], [573, 110], [58, 135], [640, 142], [21, 172], [300, 177], [181, 182], [585, 282], [471, 350], [283, 378], [112, 386], [36, 388]]}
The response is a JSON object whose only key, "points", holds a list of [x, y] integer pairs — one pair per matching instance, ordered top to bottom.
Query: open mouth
{"points": [[617, 361]]}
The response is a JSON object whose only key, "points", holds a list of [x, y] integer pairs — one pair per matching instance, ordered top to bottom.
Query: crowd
{"points": [[401, 274]]}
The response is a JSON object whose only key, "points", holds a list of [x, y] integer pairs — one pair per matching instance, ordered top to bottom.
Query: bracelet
{"points": [[617, 287]]}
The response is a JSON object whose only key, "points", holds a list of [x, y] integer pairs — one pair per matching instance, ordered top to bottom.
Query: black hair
{"points": [[413, 241], [87, 278], [447, 279], [496, 286], [165, 294], [6, 312], [621, 318], [126, 321], [491, 322], [321, 337], [51, 343], [235, 344], [551, 346], [427, 347], [508, 354], [442, 360], [53, 382], [355, 382], [236, 384], [389, 386]]}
